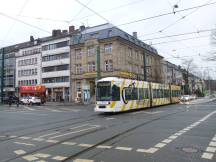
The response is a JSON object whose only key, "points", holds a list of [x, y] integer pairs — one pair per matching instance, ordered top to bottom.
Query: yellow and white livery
{"points": [[118, 94]]}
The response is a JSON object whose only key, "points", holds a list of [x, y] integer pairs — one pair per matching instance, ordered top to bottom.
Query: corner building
{"points": [[105, 50]]}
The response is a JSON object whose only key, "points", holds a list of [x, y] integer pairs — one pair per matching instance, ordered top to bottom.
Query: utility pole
{"points": [[98, 63], [2, 74]]}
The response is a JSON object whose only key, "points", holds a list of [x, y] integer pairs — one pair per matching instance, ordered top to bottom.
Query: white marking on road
{"points": [[28, 108], [109, 118], [82, 130], [178, 134], [45, 135], [172, 137], [24, 138], [38, 139], [214, 139], [52, 141], [167, 141], [69, 143], [26, 144], [212, 144], [85, 145], [160, 145], [104, 147], [124, 148], [211, 149], [150, 150], [19, 152], [41, 155], [207, 155], [30, 158], [59, 158], [83, 160]]}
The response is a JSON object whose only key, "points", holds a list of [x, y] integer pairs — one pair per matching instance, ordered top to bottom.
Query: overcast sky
{"points": [[40, 17]]}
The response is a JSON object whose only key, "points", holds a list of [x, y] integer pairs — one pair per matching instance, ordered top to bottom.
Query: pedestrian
{"points": [[10, 99], [17, 102]]}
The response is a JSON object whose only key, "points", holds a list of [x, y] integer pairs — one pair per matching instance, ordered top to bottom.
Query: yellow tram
{"points": [[118, 94]]}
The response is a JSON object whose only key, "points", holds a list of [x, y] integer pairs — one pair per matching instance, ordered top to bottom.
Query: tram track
{"points": [[122, 133]]}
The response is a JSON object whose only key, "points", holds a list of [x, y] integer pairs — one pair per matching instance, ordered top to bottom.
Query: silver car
{"points": [[30, 100]]}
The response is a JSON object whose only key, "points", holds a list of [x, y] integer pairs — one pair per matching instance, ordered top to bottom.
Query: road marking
{"points": [[28, 108], [109, 118], [82, 130], [45, 135], [172, 137], [24, 138], [38, 139], [214, 139], [52, 141], [167, 141], [69, 143], [26, 144], [212, 144], [85, 145], [160, 145], [104, 147], [124, 148], [211, 149], [150, 150], [19, 152], [41, 155], [207, 155], [30, 158], [59, 158], [83, 160]]}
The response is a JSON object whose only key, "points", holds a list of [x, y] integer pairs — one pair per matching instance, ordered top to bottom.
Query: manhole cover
{"points": [[189, 150]]}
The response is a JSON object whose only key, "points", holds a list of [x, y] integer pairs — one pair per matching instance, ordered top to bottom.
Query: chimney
{"points": [[82, 27], [71, 29], [64, 31], [58, 32], [54, 33], [135, 34], [31, 38]]}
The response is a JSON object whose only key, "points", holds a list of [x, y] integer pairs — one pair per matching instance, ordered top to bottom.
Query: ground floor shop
{"points": [[58, 94]]}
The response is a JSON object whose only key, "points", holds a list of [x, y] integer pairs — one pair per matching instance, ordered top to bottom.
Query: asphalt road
{"points": [[172, 133]]}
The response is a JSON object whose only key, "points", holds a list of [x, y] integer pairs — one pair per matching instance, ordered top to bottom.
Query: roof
{"points": [[108, 31]]}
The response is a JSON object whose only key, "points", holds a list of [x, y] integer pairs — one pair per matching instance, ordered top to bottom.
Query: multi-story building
{"points": [[106, 50], [28, 65], [55, 65], [1, 74]]}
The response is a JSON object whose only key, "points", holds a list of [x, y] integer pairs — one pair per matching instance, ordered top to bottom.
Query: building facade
{"points": [[106, 50]]}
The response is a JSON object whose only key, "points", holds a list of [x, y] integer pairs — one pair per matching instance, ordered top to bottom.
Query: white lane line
{"points": [[52, 110], [109, 118], [79, 126], [82, 130], [45, 135], [12, 136], [172, 137], [24, 138], [37, 139], [214, 139], [52, 141], [167, 141], [69, 143], [26, 144], [212, 144], [85, 145], [160, 145], [104, 147], [124, 148], [211, 149], [150, 150], [19, 152], [41, 155], [208, 156], [30, 158], [59, 158], [83, 160]]}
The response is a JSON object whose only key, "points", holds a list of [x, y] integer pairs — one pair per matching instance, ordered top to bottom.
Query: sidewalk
{"points": [[202, 100]]}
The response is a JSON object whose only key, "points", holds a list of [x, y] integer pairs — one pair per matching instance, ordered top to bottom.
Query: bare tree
{"points": [[212, 56]]}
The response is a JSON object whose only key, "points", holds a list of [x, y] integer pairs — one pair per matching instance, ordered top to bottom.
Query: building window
{"points": [[55, 45], [108, 48], [90, 51], [129, 52], [78, 53], [136, 55], [55, 57], [108, 65], [91, 66], [55, 68], [78, 68], [56, 79], [78, 86]]}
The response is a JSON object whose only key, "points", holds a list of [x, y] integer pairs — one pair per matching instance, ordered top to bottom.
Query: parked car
{"points": [[185, 98], [30, 100]]}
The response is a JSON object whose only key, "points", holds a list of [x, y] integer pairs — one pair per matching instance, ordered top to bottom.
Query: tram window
{"points": [[103, 91], [115, 93], [131, 93], [146, 93], [154, 93], [141, 94]]}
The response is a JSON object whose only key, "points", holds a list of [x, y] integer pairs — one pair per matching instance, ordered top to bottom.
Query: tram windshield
{"points": [[107, 93]]}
